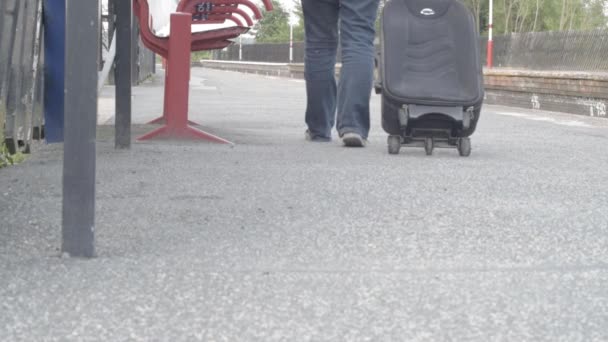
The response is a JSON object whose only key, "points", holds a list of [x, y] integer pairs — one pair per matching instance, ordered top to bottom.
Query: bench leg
{"points": [[177, 86], [162, 120], [187, 132]]}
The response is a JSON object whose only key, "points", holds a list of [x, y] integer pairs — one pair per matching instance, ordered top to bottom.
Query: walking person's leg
{"points": [[321, 27], [357, 34]]}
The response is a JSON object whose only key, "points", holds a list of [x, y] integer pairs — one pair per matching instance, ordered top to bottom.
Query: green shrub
{"points": [[7, 159]]}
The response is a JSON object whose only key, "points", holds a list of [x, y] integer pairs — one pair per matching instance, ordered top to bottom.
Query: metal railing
{"points": [[557, 51], [564, 51], [263, 52], [144, 60], [21, 73]]}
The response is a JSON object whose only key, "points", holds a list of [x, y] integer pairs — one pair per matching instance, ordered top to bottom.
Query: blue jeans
{"points": [[352, 24]]}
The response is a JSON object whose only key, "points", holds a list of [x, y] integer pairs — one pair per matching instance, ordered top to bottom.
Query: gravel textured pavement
{"points": [[279, 239]]}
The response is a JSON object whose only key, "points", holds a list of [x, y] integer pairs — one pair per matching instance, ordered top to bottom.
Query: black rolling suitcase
{"points": [[429, 74]]}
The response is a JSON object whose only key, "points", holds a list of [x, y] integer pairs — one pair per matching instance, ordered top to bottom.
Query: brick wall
{"points": [[569, 92], [580, 93]]}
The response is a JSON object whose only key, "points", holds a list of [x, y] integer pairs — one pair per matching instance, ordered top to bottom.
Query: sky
{"points": [[287, 4]]}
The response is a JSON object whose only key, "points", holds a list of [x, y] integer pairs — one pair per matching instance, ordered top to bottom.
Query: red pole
{"points": [[490, 53], [178, 65]]}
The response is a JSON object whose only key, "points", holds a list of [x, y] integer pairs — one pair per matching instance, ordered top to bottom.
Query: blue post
{"points": [[54, 69]]}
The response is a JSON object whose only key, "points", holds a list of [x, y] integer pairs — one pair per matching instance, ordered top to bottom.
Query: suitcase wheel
{"points": [[394, 144], [429, 145], [464, 147]]}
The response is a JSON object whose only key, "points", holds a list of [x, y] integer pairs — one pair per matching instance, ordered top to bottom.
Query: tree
{"points": [[476, 6], [540, 15], [549, 15], [511, 16], [274, 26], [298, 30]]}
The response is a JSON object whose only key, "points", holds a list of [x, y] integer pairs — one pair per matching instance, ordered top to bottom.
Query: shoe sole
{"points": [[308, 137], [353, 141]]}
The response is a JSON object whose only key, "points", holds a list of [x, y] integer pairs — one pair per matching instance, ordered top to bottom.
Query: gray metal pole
{"points": [[8, 27], [135, 52], [81, 66], [123, 75]]}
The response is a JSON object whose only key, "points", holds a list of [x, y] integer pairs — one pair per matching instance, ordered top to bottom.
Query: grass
{"points": [[200, 55], [7, 159], [4, 161]]}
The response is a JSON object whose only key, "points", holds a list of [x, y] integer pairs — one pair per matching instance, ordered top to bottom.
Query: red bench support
{"points": [[176, 49], [176, 92]]}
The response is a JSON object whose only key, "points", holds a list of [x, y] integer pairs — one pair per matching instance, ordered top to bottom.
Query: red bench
{"points": [[217, 12], [176, 50]]}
